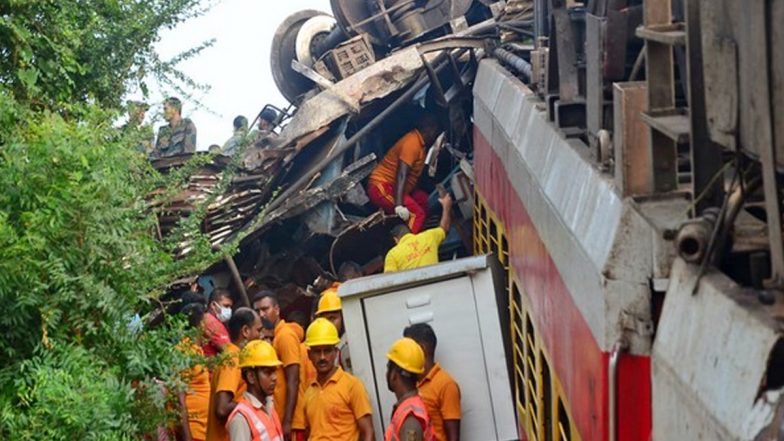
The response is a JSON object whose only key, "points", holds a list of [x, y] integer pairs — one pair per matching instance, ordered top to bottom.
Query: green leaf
{"points": [[28, 77]]}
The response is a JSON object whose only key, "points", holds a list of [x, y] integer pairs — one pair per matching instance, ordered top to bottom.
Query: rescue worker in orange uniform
{"points": [[392, 184], [418, 250], [331, 308], [267, 330], [286, 343], [306, 374], [227, 384], [437, 388], [195, 400], [337, 407], [252, 418], [410, 420]]}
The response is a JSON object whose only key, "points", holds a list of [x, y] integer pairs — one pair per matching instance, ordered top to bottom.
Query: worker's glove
{"points": [[402, 212]]}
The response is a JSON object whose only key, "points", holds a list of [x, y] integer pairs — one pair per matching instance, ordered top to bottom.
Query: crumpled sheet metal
{"points": [[376, 81], [307, 199], [227, 212]]}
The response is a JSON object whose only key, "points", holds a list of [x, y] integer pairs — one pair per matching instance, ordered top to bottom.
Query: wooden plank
{"points": [[633, 160]]}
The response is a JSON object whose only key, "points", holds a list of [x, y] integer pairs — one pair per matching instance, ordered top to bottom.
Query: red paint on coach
{"points": [[576, 358]]}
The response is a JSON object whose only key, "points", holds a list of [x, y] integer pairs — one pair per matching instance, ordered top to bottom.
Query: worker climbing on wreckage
{"points": [[392, 184], [417, 250], [337, 407], [253, 419], [410, 420]]}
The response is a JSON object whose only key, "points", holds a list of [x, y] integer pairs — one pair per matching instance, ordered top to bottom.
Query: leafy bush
{"points": [[78, 257], [77, 260]]}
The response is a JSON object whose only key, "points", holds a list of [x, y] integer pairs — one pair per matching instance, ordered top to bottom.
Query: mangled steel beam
{"points": [[309, 199]]}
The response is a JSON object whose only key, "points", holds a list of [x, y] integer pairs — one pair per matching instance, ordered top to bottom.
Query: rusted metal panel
{"points": [[633, 161]]}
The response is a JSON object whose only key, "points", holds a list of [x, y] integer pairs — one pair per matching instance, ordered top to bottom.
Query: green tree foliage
{"points": [[55, 53], [78, 257]]}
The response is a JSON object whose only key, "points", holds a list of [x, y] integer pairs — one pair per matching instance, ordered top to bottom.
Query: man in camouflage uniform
{"points": [[137, 128], [179, 136], [238, 139]]}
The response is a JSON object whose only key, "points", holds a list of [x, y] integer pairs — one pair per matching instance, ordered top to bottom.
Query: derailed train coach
{"points": [[620, 158]]}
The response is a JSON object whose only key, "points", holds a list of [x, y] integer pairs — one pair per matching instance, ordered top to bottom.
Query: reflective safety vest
{"points": [[410, 406], [263, 426]]}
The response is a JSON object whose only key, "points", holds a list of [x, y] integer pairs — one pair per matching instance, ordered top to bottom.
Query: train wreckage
{"points": [[621, 159]]}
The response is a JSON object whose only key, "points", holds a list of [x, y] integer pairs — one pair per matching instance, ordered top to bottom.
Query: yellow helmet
{"points": [[329, 301], [321, 333], [258, 353], [408, 355]]}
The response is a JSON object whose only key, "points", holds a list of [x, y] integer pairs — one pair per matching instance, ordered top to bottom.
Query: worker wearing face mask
{"points": [[216, 336]]}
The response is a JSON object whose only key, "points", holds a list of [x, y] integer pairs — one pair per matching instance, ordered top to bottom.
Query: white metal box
{"points": [[458, 299]]}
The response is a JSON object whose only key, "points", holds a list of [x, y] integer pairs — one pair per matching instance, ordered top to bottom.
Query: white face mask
{"points": [[224, 314]]}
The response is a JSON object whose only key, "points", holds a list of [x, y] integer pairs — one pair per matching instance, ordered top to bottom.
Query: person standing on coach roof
{"points": [[265, 134], [179, 136], [238, 137], [392, 183], [418, 250], [286, 344], [227, 384], [437, 388], [337, 407], [252, 418], [410, 420]]}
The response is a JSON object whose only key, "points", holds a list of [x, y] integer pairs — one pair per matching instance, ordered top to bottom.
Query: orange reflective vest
{"points": [[410, 406], [263, 426]]}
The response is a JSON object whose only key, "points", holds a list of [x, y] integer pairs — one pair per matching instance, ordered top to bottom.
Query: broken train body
{"points": [[619, 159]]}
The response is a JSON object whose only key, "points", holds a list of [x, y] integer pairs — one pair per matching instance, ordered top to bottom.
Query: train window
{"points": [[494, 238], [504, 254], [518, 343], [531, 378], [547, 402], [564, 424]]}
